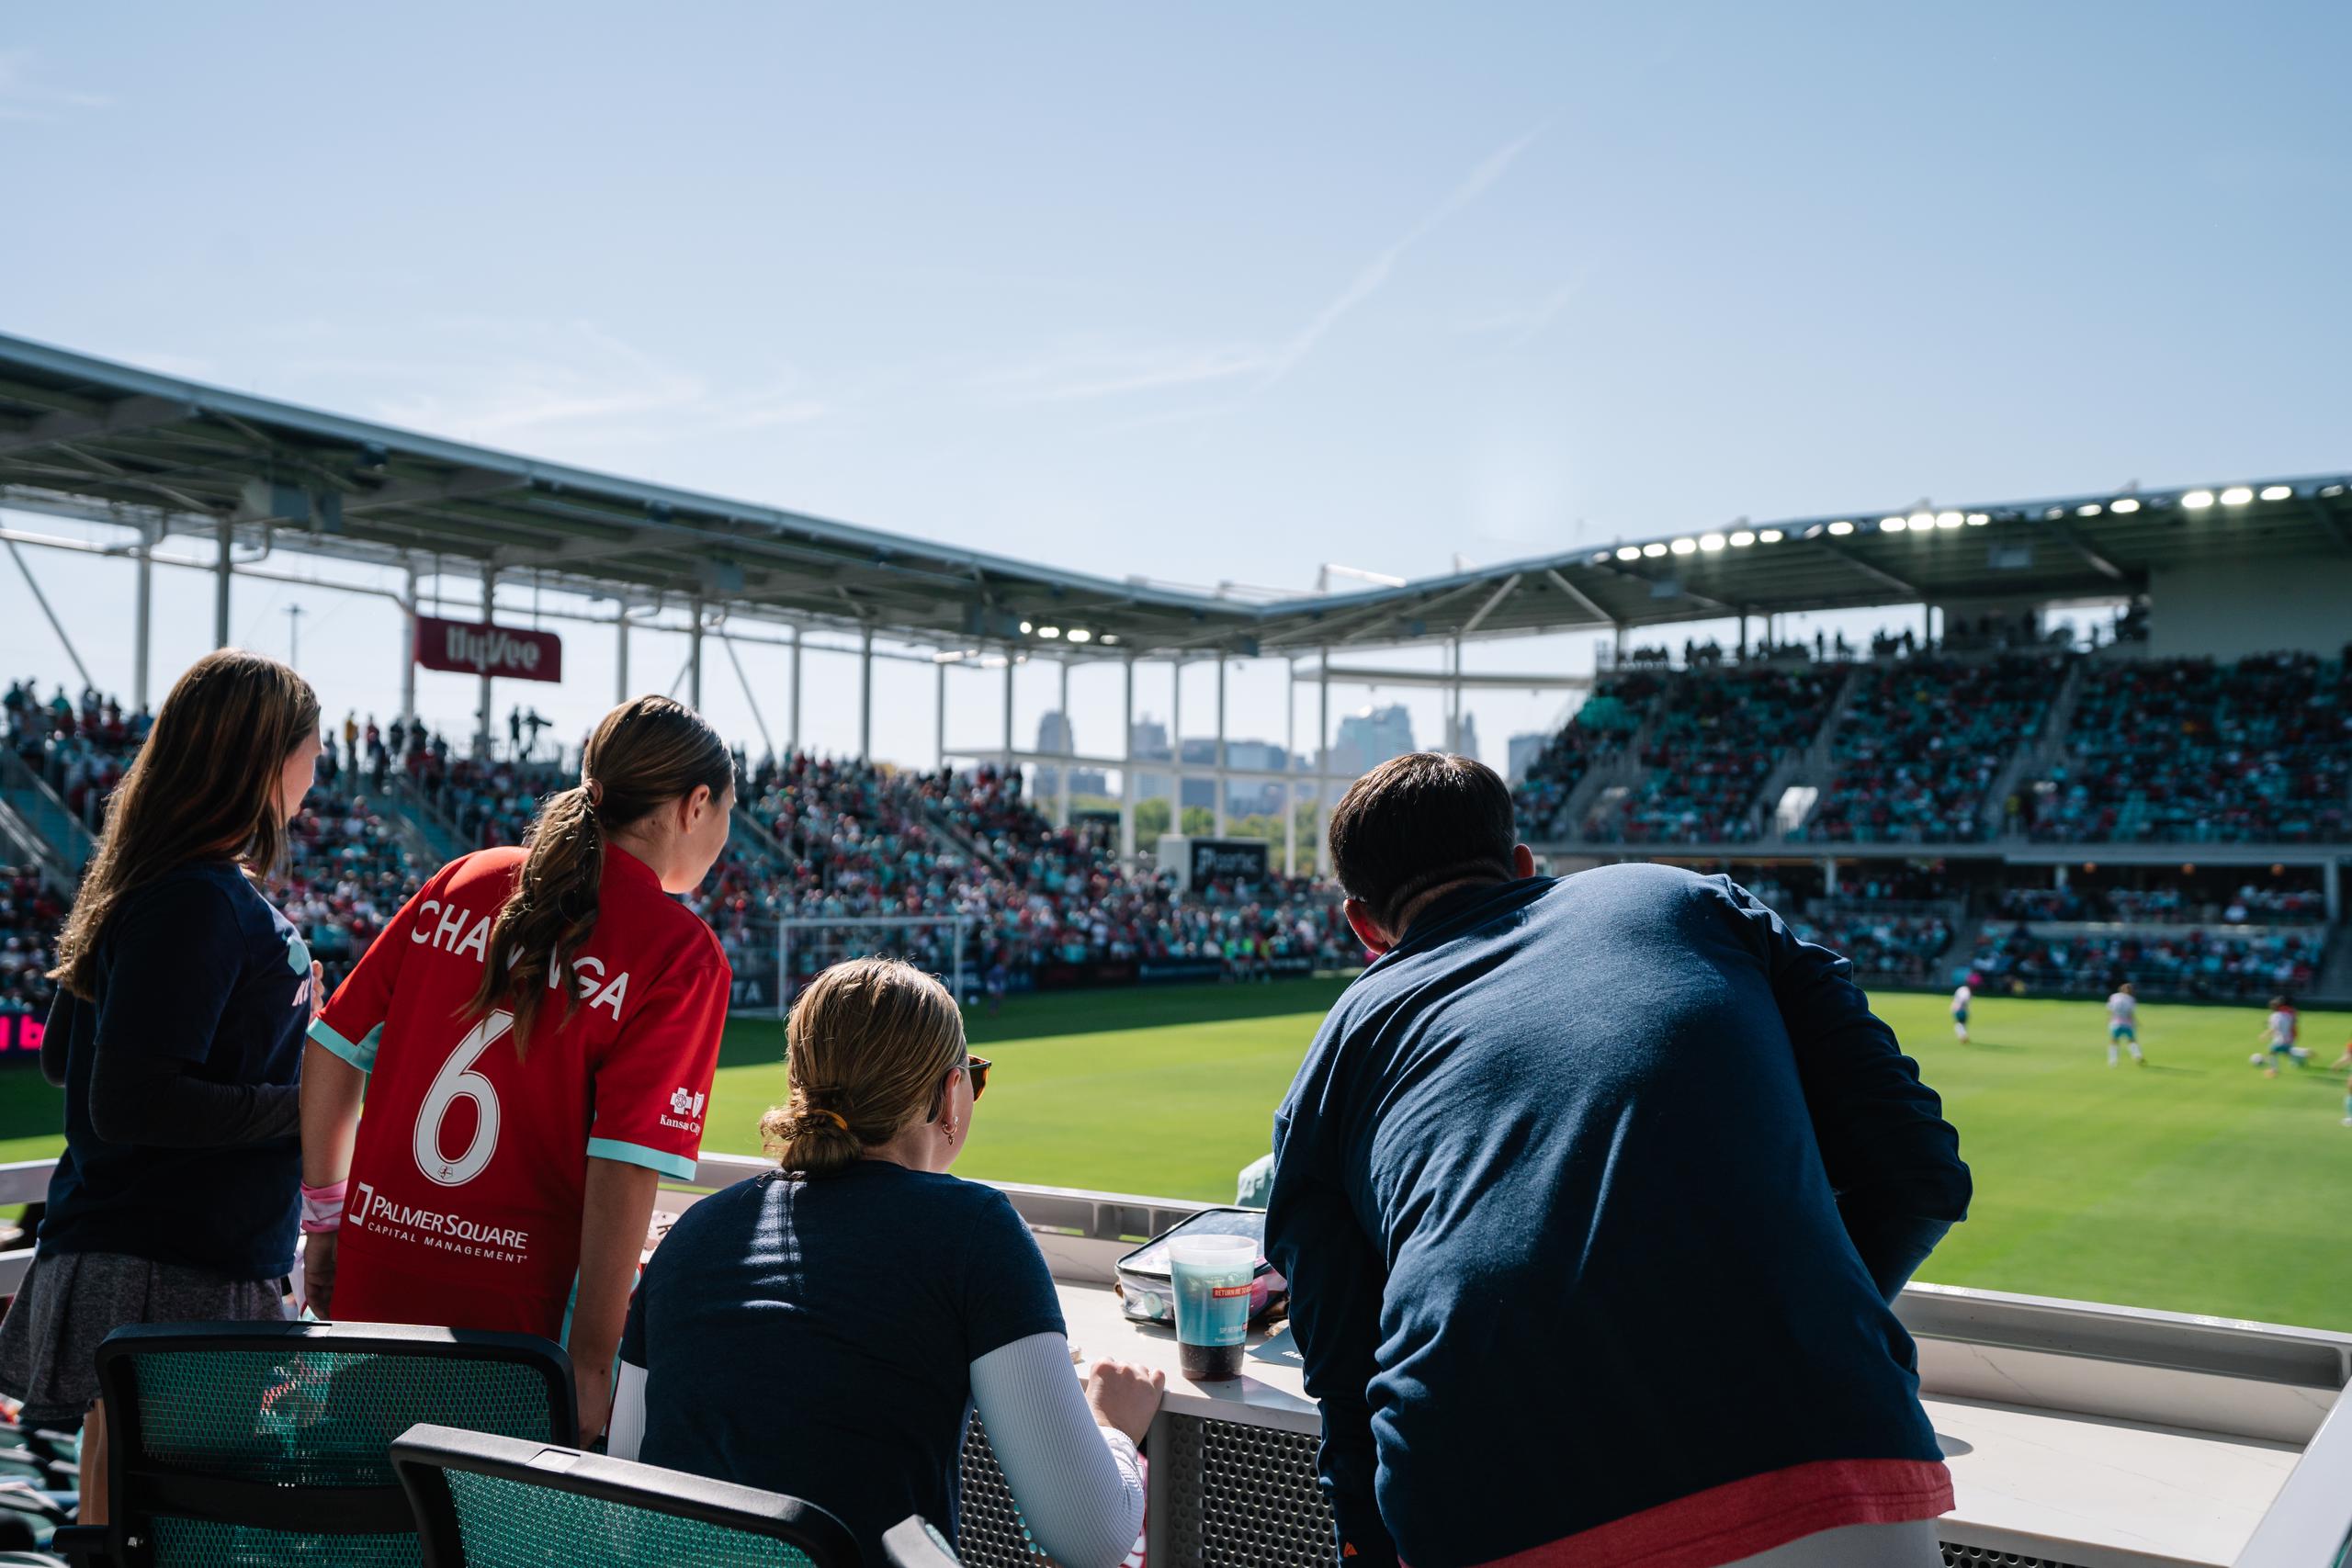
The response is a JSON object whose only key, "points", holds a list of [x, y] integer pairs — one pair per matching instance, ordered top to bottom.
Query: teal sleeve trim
{"points": [[362, 1055], [678, 1167]]}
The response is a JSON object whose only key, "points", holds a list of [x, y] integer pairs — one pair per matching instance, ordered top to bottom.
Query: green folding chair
{"points": [[235, 1444], [485, 1502]]}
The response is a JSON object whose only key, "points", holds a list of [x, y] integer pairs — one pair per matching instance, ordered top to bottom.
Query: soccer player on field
{"points": [[1960, 999], [2123, 1023], [2279, 1031], [536, 1033]]}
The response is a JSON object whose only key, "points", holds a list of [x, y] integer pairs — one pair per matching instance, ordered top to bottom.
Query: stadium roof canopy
{"points": [[90, 438]]}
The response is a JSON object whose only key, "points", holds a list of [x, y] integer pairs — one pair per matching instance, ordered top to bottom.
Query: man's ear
{"points": [[1522, 862], [1367, 930]]}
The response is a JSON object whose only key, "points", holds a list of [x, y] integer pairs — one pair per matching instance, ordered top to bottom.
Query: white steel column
{"points": [[228, 536], [489, 615], [139, 627], [408, 648], [620, 655], [693, 661], [865, 695], [1008, 713], [1454, 714], [939, 717], [793, 738], [1175, 746], [1069, 747], [1290, 751], [1323, 761], [1127, 765], [1218, 814], [2332, 879]]}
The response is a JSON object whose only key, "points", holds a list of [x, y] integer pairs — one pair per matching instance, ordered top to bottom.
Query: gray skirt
{"points": [[70, 1301]]}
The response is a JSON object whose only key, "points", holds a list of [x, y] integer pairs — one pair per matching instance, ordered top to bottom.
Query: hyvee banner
{"points": [[468, 648]]}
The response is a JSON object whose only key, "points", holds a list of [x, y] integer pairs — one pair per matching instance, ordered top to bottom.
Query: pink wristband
{"points": [[323, 1207]]}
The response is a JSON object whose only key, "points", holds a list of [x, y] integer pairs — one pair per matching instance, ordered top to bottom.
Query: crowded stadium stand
{"points": [[1991, 795]]}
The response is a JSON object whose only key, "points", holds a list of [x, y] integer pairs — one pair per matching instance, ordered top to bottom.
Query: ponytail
{"points": [[643, 756], [870, 1043]]}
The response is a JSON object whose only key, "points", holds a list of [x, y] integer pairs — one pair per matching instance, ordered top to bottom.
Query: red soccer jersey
{"points": [[472, 1166]]}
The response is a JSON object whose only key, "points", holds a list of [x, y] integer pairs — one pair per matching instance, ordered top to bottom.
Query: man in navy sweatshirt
{"points": [[1594, 1193]]}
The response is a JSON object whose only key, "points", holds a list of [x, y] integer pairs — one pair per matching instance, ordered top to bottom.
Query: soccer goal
{"points": [[806, 944]]}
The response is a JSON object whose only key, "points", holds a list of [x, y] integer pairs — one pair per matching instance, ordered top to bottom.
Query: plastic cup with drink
{"points": [[1210, 1278]]}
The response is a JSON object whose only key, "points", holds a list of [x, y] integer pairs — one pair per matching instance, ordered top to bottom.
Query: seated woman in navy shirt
{"points": [[826, 1330]]}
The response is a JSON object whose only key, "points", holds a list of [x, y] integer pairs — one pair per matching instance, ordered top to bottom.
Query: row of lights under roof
{"points": [[1928, 522], [1074, 633]]}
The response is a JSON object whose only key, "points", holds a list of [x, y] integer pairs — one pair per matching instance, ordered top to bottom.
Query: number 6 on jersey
{"points": [[456, 1080]]}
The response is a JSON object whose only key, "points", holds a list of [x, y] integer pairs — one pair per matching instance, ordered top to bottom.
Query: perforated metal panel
{"points": [[312, 1417], [1242, 1497], [509, 1523], [990, 1534], [203, 1543], [1958, 1556]]}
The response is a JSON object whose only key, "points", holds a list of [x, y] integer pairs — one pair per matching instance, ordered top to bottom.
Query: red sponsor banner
{"points": [[467, 648]]}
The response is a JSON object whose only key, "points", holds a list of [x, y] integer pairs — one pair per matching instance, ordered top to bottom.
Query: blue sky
{"points": [[1203, 293]]}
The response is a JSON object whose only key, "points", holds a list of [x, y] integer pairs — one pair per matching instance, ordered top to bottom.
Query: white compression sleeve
{"points": [[626, 1432], [1080, 1485]]}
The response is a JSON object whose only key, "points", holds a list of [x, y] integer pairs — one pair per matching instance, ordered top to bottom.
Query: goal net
{"points": [[806, 945]]}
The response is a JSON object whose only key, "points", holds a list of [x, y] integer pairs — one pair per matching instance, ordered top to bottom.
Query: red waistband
{"points": [[1741, 1518]]}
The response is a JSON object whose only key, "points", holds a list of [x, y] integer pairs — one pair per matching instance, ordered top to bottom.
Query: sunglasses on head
{"points": [[975, 1068]]}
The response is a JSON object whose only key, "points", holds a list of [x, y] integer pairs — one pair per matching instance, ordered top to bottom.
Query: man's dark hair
{"points": [[1417, 822]]}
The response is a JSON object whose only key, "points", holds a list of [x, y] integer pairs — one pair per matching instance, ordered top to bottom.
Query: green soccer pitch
{"points": [[2194, 1184]]}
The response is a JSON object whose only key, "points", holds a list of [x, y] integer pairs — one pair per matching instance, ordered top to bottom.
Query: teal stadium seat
{"points": [[235, 1444], [486, 1502]]}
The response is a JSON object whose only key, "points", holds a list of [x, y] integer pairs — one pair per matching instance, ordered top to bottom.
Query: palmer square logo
{"points": [[440, 1230]]}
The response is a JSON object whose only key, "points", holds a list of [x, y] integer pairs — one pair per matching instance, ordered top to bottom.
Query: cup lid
{"points": [[1213, 1249]]}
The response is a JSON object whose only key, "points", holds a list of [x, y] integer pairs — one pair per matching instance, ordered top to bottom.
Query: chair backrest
{"points": [[230, 1443], [487, 1502]]}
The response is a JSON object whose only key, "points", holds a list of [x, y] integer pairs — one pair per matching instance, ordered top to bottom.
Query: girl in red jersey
{"points": [[535, 1033]]}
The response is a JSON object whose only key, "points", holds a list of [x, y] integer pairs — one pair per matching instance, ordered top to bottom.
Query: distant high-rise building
{"points": [[1053, 735], [1368, 739], [1466, 743], [1524, 750]]}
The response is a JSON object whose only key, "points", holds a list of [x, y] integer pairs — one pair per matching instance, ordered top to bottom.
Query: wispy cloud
{"points": [[23, 96], [1375, 273], [1527, 322], [1084, 370]]}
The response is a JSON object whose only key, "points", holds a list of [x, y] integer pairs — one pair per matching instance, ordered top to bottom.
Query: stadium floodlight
{"points": [[2332, 489], [2277, 493], [2237, 495], [2198, 500], [2123, 506], [2088, 509], [1947, 519], [1978, 519], [1920, 522], [1894, 524], [1841, 528], [1768, 537], [1742, 539], [1710, 542], [1686, 546], [1653, 551], [1629, 552], [1601, 558], [1026, 629], [1050, 632], [1079, 634], [1109, 639]]}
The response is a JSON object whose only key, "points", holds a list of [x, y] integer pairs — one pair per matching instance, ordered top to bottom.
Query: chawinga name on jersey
{"points": [[456, 930]]}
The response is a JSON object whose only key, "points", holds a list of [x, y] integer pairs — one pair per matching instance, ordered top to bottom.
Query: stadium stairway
{"points": [[2034, 757], [1813, 766], [947, 829], [748, 833], [432, 838], [56, 839]]}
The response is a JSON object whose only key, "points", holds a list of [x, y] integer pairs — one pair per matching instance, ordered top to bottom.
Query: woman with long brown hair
{"points": [[536, 1033], [178, 1036]]}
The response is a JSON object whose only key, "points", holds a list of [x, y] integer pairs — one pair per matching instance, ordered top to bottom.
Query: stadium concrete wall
{"points": [[2229, 609]]}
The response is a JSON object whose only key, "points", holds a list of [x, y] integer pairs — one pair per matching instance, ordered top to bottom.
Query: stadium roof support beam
{"points": [[117, 418], [2329, 524], [2066, 535], [1876, 574], [1651, 584], [1510, 586], [1578, 595]]}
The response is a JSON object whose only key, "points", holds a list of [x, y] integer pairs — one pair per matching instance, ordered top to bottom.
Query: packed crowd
{"points": [[1606, 723], [1713, 741], [1921, 744], [78, 749], [2195, 751], [2248, 905], [1880, 945], [2192, 963]]}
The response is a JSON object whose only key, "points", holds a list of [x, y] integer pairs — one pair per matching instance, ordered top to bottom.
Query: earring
{"points": [[946, 1129]]}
